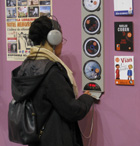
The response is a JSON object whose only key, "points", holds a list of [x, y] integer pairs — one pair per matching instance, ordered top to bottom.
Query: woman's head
{"points": [[39, 30]]}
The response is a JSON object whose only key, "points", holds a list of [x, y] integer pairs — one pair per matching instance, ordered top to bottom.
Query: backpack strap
{"points": [[48, 66]]}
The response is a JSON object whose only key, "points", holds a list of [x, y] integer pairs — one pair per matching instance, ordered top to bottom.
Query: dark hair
{"points": [[39, 30]]}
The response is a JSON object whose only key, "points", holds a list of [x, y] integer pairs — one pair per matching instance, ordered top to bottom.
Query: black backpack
{"points": [[22, 120]]}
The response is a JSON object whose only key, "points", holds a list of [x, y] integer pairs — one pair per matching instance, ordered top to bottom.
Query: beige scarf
{"points": [[47, 54]]}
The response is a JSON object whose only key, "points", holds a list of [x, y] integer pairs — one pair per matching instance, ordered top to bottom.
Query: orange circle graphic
{"points": [[129, 34], [117, 59]]}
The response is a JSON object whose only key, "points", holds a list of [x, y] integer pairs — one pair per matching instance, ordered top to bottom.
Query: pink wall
{"points": [[116, 117]]}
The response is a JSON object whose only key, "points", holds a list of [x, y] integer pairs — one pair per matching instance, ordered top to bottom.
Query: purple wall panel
{"points": [[116, 117]]}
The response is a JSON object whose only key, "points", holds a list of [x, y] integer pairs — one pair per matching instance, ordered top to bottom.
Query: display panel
{"points": [[93, 46], [92, 86]]}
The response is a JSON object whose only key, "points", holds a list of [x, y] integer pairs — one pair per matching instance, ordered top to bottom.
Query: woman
{"points": [[53, 94]]}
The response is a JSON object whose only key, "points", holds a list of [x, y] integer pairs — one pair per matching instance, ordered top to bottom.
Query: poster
{"points": [[123, 7], [19, 16], [123, 36], [124, 70]]}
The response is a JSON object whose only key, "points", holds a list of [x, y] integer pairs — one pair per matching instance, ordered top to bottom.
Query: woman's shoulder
{"points": [[31, 67], [57, 68], [58, 72]]}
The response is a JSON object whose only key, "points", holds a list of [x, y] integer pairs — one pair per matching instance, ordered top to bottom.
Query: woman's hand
{"points": [[87, 92]]}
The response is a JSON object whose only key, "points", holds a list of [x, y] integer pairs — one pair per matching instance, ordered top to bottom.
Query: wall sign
{"points": [[123, 7]]}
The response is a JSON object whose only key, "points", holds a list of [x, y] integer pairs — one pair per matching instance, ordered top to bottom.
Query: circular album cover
{"points": [[91, 5], [91, 24], [92, 47], [92, 70]]}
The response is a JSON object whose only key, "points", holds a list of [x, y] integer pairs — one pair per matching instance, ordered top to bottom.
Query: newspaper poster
{"points": [[19, 16]]}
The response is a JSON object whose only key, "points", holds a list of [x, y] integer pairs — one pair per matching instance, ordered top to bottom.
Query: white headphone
{"points": [[54, 37]]}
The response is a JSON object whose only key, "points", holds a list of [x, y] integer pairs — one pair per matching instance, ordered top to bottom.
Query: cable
{"points": [[37, 53], [91, 128]]}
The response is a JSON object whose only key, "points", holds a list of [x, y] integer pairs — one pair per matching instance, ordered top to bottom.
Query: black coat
{"points": [[53, 100]]}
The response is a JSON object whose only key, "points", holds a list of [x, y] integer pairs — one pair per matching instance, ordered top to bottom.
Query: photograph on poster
{"points": [[22, 2], [33, 2], [44, 2], [11, 3], [45, 10], [33, 11], [11, 12], [22, 12], [24, 43], [29, 43], [12, 47]]}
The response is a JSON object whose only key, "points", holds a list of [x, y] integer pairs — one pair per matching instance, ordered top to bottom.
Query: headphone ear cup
{"points": [[54, 37]]}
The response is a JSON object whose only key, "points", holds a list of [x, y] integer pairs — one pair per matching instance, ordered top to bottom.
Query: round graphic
{"points": [[91, 5], [91, 24], [129, 34], [92, 47], [117, 59], [92, 70], [130, 81]]}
